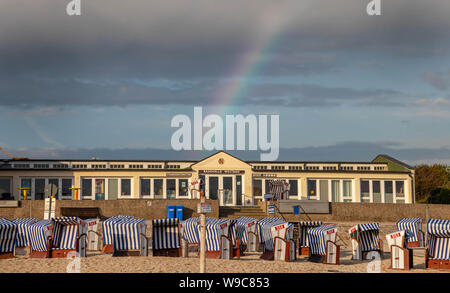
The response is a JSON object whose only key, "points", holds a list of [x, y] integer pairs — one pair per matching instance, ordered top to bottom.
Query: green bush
{"points": [[439, 196]]}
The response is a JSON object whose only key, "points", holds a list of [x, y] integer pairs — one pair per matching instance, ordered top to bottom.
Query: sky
{"points": [[346, 85]]}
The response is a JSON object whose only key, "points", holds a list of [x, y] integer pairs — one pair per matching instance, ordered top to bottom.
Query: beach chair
{"points": [[413, 228], [268, 229], [107, 232], [239, 233], [8, 234], [189, 234], [69, 235], [93, 236], [40, 237], [129, 237], [166, 237], [364, 239], [22, 241], [303, 244], [322, 244], [284, 247], [437, 254], [401, 255]]}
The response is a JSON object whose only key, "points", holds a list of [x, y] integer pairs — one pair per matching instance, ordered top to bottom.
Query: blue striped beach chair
{"points": [[413, 228], [268, 229], [107, 232], [69, 235], [243, 235], [8, 236], [40, 237], [129, 237], [166, 237], [22, 239], [364, 239], [303, 244], [322, 245], [437, 254]]}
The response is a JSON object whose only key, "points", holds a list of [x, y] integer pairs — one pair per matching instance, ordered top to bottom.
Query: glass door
{"points": [[227, 182], [213, 187]]}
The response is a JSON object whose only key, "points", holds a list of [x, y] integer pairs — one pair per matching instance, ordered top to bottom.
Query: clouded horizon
{"points": [[111, 79]]}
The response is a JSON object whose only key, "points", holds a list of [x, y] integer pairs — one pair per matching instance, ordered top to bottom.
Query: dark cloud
{"points": [[438, 80], [345, 151]]}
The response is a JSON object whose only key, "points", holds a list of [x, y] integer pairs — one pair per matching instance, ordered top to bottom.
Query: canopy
{"points": [[278, 188], [304, 226], [107, 227], [412, 227], [238, 228], [214, 229], [22, 230], [265, 230], [65, 232], [8, 233], [37, 233], [126, 233], [165, 233], [367, 235], [318, 238], [439, 239]]}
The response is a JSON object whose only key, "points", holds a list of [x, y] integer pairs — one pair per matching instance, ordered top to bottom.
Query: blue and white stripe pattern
{"points": [[277, 188], [107, 227], [304, 227], [412, 227], [238, 228], [190, 229], [214, 229], [264, 230], [65, 232], [8, 233], [22, 233], [37, 233], [165, 233], [126, 234], [369, 236], [318, 237], [439, 239]]}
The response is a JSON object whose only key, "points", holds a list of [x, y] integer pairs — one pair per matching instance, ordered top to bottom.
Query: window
{"points": [[55, 182], [25, 183], [66, 184], [267, 186], [39, 187], [86, 187], [125, 187], [145, 187], [293, 187], [113, 188], [158, 188], [171, 188], [257, 188], [312, 188], [5, 189], [183, 189], [347, 189], [335, 190], [365, 191], [376, 191], [400, 191], [388, 192]]}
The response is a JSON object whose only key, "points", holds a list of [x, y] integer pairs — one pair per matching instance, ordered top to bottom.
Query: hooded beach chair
{"points": [[279, 189], [413, 228], [107, 232], [8, 234], [243, 234], [69, 235], [276, 235], [93, 236], [40, 237], [129, 237], [166, 237], [364, 239], [22, 241], [303, 244], [322, 245], [437, 255], [401, 256]]}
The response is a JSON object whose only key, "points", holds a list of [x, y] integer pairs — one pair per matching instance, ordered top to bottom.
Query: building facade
{"points": [[226, 178]]}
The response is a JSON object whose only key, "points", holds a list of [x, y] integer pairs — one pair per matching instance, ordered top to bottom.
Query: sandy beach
{"points": [[96, 262]]}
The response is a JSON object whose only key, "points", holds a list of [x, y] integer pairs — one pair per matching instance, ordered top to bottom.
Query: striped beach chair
{"points": [[279, 189], [413, 228], [268, 229], [107, 232], [8, 234], [243, 234], [69, 235], [40, 237], [129, 237], [166, 237], [364, 239], [22, 241], [303, 244], [322, 245], [437, 254], [401, 256]]}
